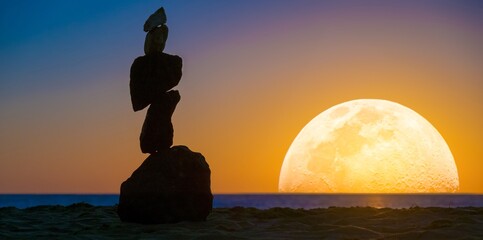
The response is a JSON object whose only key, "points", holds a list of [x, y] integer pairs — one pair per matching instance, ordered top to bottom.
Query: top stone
{"points": [[156, 19]]}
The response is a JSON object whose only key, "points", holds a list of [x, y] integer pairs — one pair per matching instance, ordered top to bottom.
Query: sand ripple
{"points": [[83, 221]]}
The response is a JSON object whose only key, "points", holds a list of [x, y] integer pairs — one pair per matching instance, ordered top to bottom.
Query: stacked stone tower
{"points": [[173, 183]]}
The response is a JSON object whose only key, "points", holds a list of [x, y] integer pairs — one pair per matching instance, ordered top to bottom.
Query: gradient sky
{"points": [[255, 72]]}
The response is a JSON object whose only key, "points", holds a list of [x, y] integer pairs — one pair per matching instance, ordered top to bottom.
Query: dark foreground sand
{"points": [[83, 221]]}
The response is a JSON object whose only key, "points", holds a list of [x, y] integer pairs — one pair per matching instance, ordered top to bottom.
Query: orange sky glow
{"points": [[247, 89]]}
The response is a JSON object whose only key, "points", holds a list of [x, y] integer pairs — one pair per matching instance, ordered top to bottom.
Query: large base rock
{"points": [[170, 186]]}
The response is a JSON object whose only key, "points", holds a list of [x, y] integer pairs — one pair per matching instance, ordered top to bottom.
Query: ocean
{"points": [[266, 201]]}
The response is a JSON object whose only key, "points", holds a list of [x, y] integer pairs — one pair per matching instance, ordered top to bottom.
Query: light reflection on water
{"points": [[309, 201], [377, 201]]}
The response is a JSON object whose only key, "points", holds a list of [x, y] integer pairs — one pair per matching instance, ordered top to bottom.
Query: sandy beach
{"points": [[84, 221]]}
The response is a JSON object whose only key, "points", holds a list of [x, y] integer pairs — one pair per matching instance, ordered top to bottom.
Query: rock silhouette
{"points": [[156, 19], [156, 40], [151, 76], [157, 132], [173, 183], [170, 186]]}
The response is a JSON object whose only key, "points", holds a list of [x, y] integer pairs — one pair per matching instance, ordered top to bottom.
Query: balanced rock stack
{"points": [[173, 183]]}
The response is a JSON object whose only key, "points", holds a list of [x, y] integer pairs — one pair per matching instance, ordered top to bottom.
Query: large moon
{"points": [[369, 146]]}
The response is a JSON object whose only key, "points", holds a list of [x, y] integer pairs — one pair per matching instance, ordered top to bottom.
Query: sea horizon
{"points": [[267, 200]]}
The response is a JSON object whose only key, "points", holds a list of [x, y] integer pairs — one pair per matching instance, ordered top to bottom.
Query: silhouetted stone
{"points": [[156, 19], [156, 40], [151, 76], [157, 132], [170, 186]]}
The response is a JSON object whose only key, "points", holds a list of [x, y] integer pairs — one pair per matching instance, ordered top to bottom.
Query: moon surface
{"points": [[369, 146]]}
